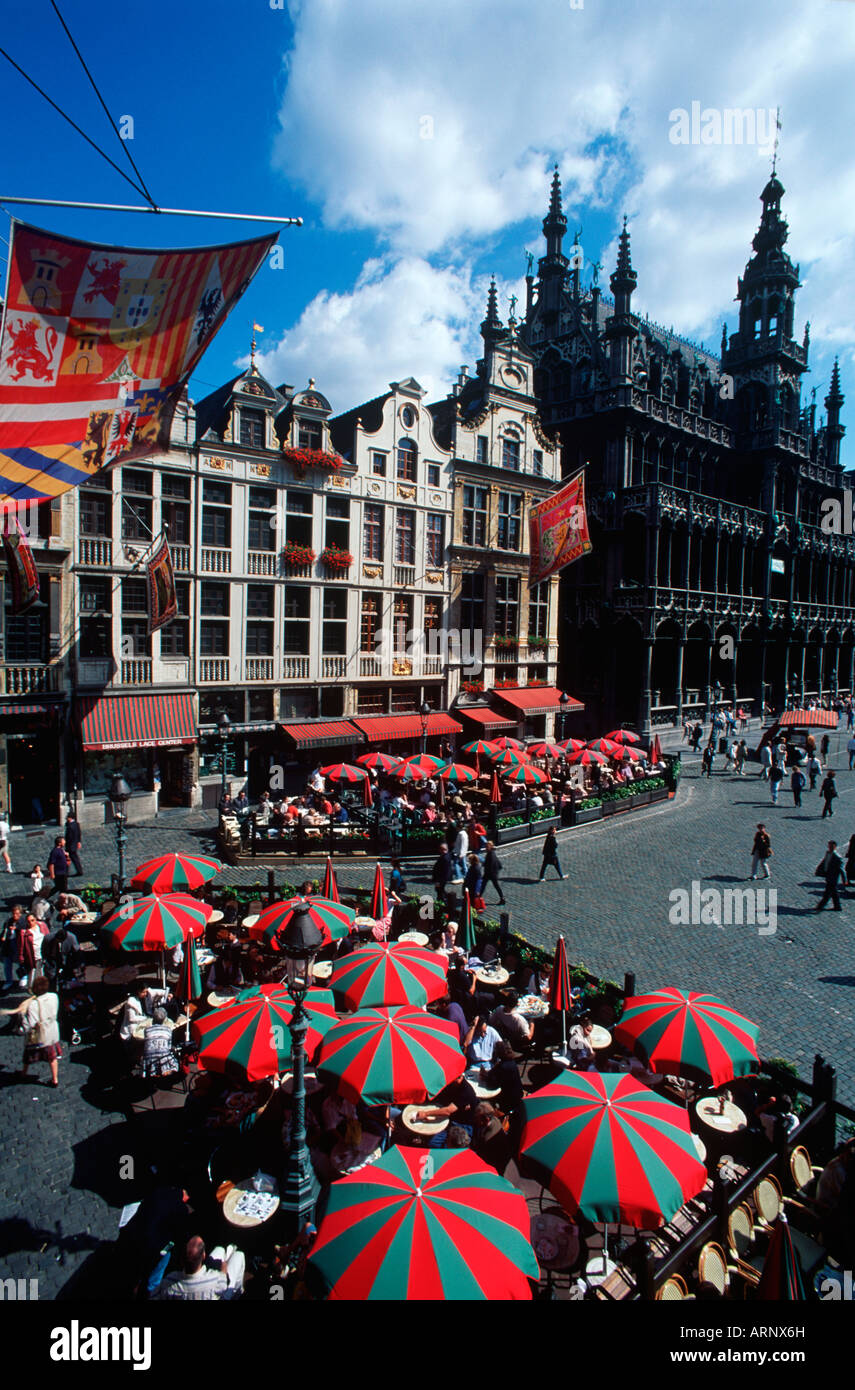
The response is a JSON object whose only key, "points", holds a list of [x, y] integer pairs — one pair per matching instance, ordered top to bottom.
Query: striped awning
{"points": [[537, 699], [37, 709], [488, 718], [809, 719], [111, 723], [379, 728], [326, 733]]}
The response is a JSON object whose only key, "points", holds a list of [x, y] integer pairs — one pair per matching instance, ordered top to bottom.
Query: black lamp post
{"points": [[563, 701], [424, 711], [224, 726], [120, 795], [299, 942]]}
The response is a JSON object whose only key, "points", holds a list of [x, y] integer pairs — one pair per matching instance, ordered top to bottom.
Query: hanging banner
{"points": [[96, 347], [558, 531], [20, 567], [162, 601]]}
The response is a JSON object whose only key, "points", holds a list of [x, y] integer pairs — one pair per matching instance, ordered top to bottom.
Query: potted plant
{"points": [[302, 460], [296, 556], [335, 558], [503, 643], [538, 644], [473, 687], [588, 809]]}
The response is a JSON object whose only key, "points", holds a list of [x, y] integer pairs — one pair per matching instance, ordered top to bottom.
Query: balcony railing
{"points": [[95, 551], [180, 557], [216, 561], [261, 562], [403, 575], [506, 655], [431, 665], [370, 666], [332, 667], [213, 668], [258, 668], [296, 668], [136, 670], [27, 680]]}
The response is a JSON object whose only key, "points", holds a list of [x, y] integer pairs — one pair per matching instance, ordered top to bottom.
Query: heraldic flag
{"points": [[96, 347], [558, 531], [21, 567], [162, 599]]}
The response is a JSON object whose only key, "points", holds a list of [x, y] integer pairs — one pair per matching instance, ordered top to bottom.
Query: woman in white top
{"points": [[5, 832], [133, 1014], [41, 1021]]}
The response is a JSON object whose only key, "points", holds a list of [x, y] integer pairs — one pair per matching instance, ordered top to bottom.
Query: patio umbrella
{"points": [[623, 736], [506, 742], [571, 745], [604, 745], [480, 747], [541, 749], [656, 751], [633, 753], [586, 756], [508, 757], [385, 762], [419, 766], [344, 772], [457, 772], [531, 776], [495, 789], [440, 792], [367, 794], [175, 873], [330, 888], [379, 897], [333, 919], [156, 923], [466, 938], [401, 973], [189, 980], [560, 999], [687, 1033], [250, 1038], [385, 1056], [610, 1149], [417, 1225], [782, 1279]]}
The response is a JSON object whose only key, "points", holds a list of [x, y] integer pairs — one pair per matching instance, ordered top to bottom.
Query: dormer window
{"points": [[252, 428], [309, 434], [511, 453], [407, 457]]}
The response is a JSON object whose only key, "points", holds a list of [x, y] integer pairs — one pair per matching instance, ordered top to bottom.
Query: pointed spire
{"points": [[555, 208], [554, 224], [624, 279], [492, 326], [723, 339], [834, 399]]}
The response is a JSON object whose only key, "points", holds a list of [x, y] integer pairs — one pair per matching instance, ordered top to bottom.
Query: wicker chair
{"points": [[803, 1172], [741, 1238], [714, 1272], [674, 1290]]}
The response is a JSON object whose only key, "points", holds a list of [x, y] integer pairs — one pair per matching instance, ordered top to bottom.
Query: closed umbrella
{"points": [[656, 751], [495, 789], [175, 873], [330, 888], [379, 897], [332, 919], [466, 937], [401, 973], [189, 980], [560, 998], [689, 1033], [250, 1038], [391, 1056], [425, 1226], [782, 1279]]}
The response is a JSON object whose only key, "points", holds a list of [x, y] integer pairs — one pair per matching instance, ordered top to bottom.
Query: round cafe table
{"points": [[215, 917], [82, 919], [251, 920], [364, 924], [416, 938], [322, 969], [494, 978], [218, 997], [532, 1008], [599, 1038], [311, 1083], [483, 1092], [708, 1112], [424, 1127], [700, 1146], [345, 1159], [246, 1221], [555, 1240]]}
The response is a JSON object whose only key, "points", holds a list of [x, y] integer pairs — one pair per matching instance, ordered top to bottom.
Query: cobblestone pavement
{"points": [[58, 1193]]}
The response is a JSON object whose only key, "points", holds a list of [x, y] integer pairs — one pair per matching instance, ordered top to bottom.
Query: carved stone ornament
{"points": [[222, 465], [259, 470], [408, 492], [372, 571], [434, 576]]}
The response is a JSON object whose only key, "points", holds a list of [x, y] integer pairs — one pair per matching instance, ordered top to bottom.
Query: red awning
{"points": [[537, 699], [35, 708], [489, 718], [809, 719], [110, 723], [379, 728], [324, 734]]}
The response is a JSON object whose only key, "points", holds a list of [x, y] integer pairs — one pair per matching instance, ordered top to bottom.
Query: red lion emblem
{"points": [[106, 280], [25, 354]]}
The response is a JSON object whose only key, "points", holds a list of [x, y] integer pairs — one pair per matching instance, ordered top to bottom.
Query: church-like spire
{"points": [[554, 223], [772, 232], [624, 279], [492, 327], [834, 399], [834, 430]]}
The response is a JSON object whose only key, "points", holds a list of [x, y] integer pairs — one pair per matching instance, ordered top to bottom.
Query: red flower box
{"points": [[304, 459]]}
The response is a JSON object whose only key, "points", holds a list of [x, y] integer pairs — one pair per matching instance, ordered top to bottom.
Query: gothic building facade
{"points": [[712, 579]]}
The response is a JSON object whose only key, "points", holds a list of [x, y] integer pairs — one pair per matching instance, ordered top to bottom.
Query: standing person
{"points": [[850, 715], [687, 730], [697, 735], [824, 747], [850, 749], [730, 755], [741, 757], [707, 760], [765, 761], [814, 768], [776, 776], [797, 785], [828, 791], [5, 832], [73, 842], [761, 851], [459, 854], [550, 854], [850, 861], [58, 863], [492, 869], [831, 870], [441, 874], [473, 878], [37, 879], [30, 935], [9, 944], [42, 1037]]}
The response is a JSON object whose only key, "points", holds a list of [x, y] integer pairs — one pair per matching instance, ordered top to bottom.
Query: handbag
{"points": [[35, 1035]]}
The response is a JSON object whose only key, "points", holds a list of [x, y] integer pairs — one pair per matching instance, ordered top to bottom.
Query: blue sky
{"points": [[417, 142]]}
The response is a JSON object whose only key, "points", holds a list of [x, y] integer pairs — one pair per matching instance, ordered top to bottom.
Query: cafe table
{"points": [[215, 917], [82, 919], [251, 920], [416, 938], [322, 969], [495, 978], [223, 996], [533, 1008], [599, 1038], [708, 1111], [426, 1128], [700, 1146], [345, 1158], [247, 1209], [555, 1240]]}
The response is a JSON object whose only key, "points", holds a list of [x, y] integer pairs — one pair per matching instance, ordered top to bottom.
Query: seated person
{"points": [[240, 805], [263, 809], [340, 816], [69, 905], [226, 973], [154, 998], [450, 1010], [133, 1013], [510, 1023], [480, 1042], [579, 1046], [158, 1058], [505, 1073], [455, 1101], [775, 1108], [489, 1139], [832, 1179], [203, 1280]]}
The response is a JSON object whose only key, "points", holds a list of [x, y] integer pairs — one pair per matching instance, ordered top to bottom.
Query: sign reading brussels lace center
{"points": [[97, 343], [558, 531]]}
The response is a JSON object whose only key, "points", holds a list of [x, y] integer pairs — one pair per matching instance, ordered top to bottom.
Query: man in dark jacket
{"points": [[828, 792], [72, 842], [492, 869], [831, 869], [442, 872]]}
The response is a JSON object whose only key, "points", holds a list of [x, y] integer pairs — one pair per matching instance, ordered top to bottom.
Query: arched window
{"points": [[407, 460]]}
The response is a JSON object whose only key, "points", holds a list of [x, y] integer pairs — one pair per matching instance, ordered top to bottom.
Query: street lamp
{"points": [[563, 701], [424, 711], [224, 726], [120, 795], [299, 942]]}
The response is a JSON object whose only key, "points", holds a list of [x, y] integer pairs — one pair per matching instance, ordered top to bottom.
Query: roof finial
{"points": [[777, 135], [256, 328]]}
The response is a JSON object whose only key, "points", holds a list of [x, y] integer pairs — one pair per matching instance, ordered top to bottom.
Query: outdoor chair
{"points": [[804, 1174], [769, 1205], [741, 1239], [714, 1272], [674, 1290]]}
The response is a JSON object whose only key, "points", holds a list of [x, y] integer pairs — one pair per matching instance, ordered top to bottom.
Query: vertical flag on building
{"points": [[97, 344], [558, 531], [20, 566], [162, 599]]}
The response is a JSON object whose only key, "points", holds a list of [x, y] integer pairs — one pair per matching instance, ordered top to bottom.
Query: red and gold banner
{"points": [[96, 346], [558, 531], [20, 567], [162, 601]]}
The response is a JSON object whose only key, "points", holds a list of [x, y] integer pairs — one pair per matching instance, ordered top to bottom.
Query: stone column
{"points": [[678, 693], [644, 720]]}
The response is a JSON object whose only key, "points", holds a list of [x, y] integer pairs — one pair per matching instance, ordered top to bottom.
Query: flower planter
{"points": [[659, 794], [640, 799], [590, 813], [540, 827], [513, 832]]}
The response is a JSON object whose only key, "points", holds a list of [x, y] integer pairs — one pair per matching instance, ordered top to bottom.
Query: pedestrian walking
{"points": [[850, 715], [687, 730], [697, 735], [824, 747], [741, 757], [707, 760], [765, 761], [814, 768], [776, 777], [797, 785], [828, 792], [5, 833], [73, 840], [761, 851], [459, 854], [550, 854], [58, 862], [850, 862], [492, 869], [831, 869], [441, 873], [473, 878], [31, 933], [9, 944], [41, 1024]]}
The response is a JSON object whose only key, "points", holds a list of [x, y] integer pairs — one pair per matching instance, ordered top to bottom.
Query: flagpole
{"points": [[171, 212]]}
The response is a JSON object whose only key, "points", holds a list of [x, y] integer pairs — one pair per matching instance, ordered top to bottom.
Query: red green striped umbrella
{"points": [[623, 736], [505, 742], [571, 745], [604, 745], [480, 747], [541, 749], [634, 754], [586, 756], [509, 757], [386, 762], [420, 766], [344, 772], [457, 772], [531, 776], [495, 789], [175, 873], [330, 888], [379, 898], [333, 919], [156, 923], [466, 937], [400, 973], [189, 976], [560, 998], [686, 1033], [250, 1038], [385, 1056], [610, 1149], [425, 1225], [782, 1279]]}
